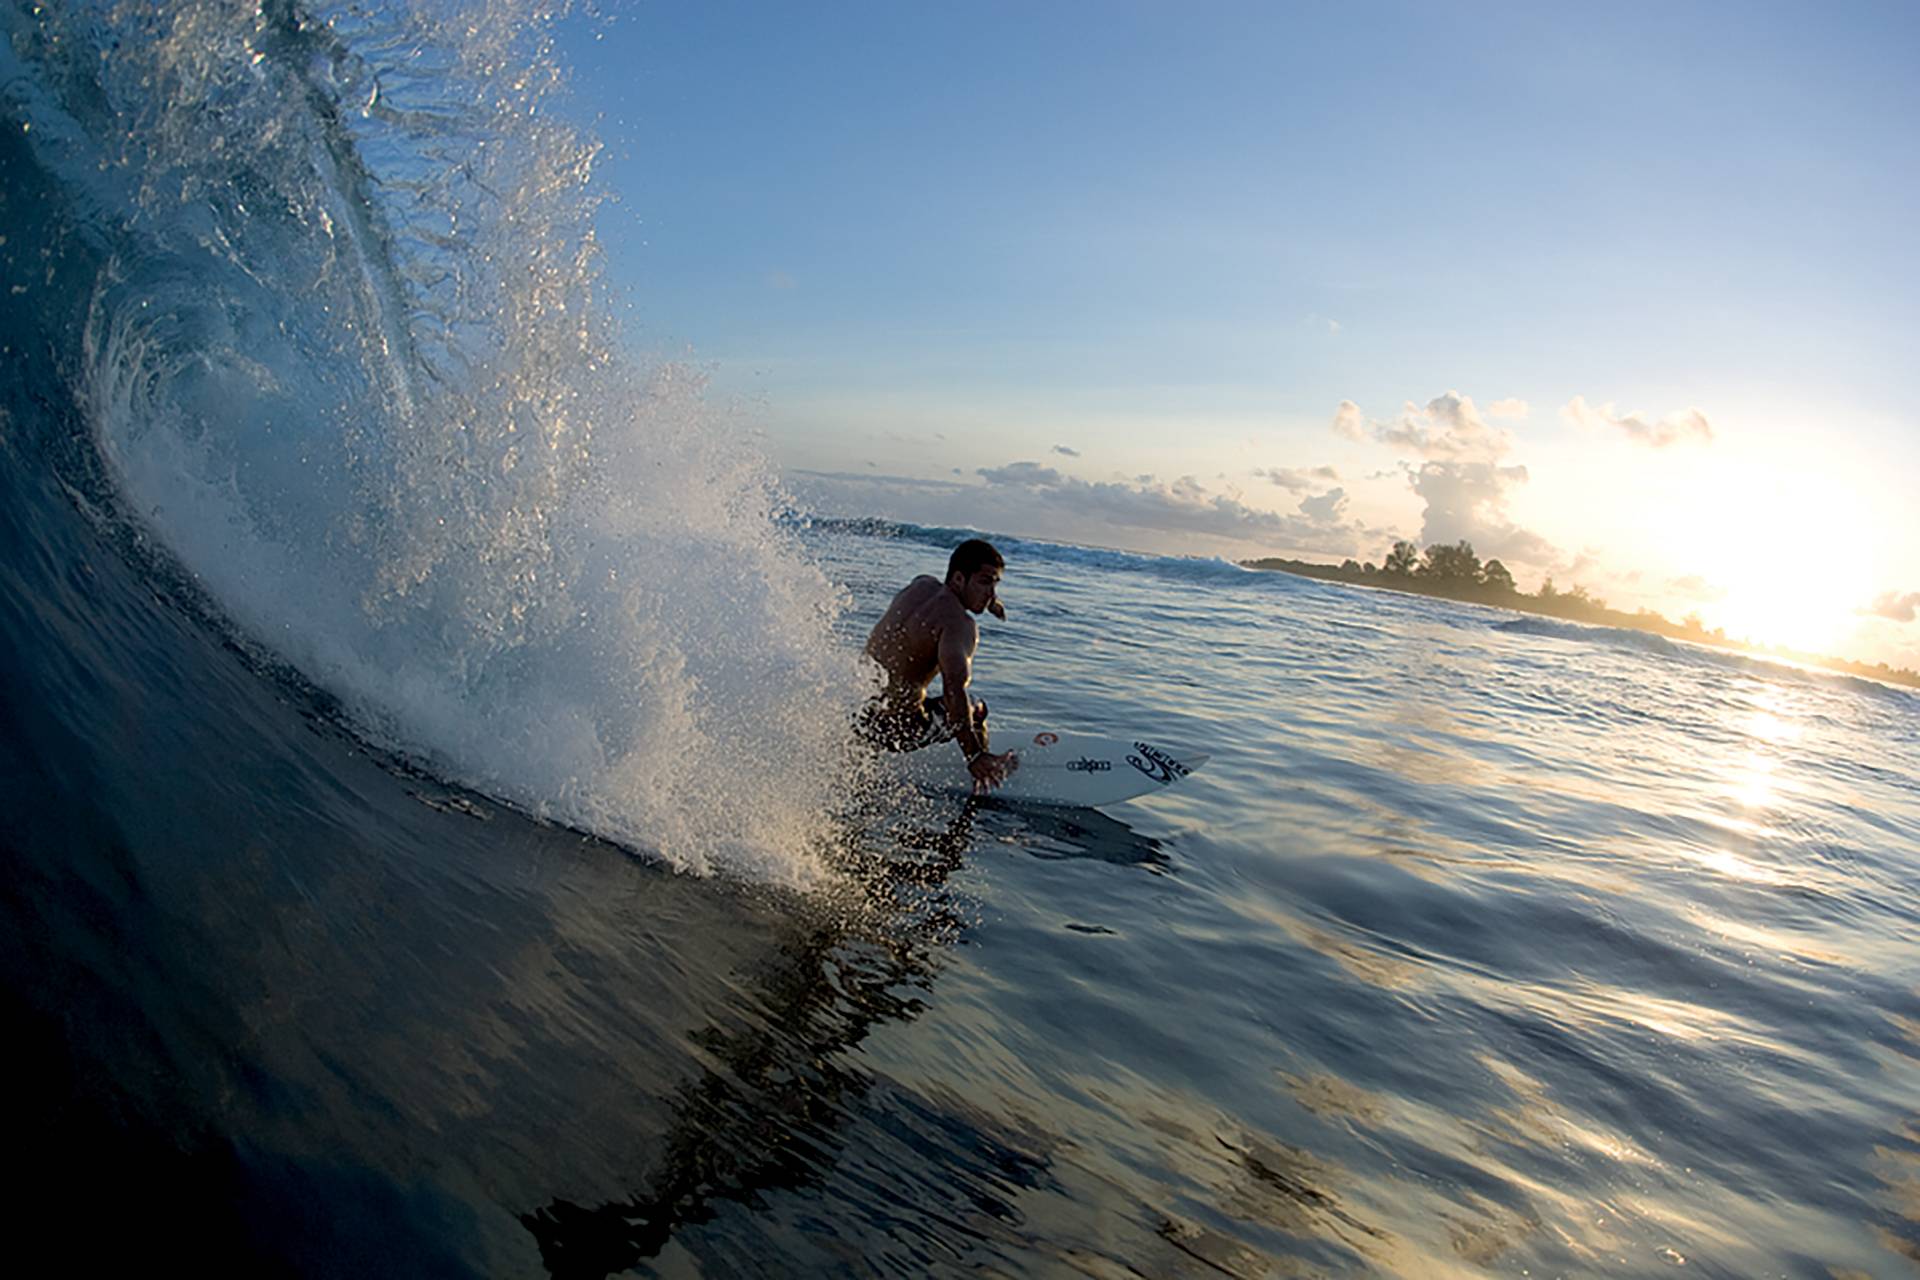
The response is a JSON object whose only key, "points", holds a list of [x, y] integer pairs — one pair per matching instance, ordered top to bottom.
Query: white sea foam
{"points": [[351, 367]]}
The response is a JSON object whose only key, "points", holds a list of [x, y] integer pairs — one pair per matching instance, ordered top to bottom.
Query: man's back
{"points": [[906, 640]]}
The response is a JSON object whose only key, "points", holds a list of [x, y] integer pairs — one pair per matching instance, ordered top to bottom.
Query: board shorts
{"points": [[896, 726], [903, 726]]}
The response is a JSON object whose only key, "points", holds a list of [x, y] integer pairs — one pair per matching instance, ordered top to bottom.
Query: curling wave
{"points": [[322, 290]]}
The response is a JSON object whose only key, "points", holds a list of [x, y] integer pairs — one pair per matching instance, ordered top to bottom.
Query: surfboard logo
{"points": [[1045, 739], [1087, 764], [1157, 764]]}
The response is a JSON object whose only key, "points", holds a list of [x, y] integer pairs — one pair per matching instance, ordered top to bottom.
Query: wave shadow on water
{"points": [[768, 1114]]}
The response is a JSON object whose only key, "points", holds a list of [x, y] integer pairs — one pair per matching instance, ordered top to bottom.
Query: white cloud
{"points": [[1508, 408], [1455, 412], [1349, 422], [1686, 424], [1449, 426], [1064, 451], [1021, 473], [1295, 480], [1462, 481], [1187, 489], [1468, 500], [1186, 506], [1327, 508], [1895, 605]]}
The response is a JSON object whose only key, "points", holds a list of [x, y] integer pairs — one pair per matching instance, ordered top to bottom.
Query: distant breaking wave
{"points": [[945, 537], [1621, 637], [1648, 642]]}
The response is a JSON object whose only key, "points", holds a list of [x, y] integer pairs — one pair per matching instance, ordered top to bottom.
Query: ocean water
{"points": [[433, 845]]}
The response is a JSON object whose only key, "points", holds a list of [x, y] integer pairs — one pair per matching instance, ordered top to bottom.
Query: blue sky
{"points": [[1152, 249]]}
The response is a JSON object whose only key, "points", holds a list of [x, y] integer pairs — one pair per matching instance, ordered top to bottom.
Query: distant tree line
{"points": [[1450, 563], [1452, 569]]}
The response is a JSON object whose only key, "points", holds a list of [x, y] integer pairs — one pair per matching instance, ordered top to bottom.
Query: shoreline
{"points": [[1575, 606]]}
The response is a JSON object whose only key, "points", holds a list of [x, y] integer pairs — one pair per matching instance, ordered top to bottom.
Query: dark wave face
{"points": [[352, 591]]}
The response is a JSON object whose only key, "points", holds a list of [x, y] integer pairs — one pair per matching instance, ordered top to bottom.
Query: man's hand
{"points": [[989, 770]]}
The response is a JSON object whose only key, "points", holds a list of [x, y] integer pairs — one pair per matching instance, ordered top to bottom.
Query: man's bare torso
{"points": [[929, 630], [906, 640]]}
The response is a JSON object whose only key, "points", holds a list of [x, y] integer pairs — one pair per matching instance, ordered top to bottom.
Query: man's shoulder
{"points": [[915, 593], [928, 599], [952, 619]]}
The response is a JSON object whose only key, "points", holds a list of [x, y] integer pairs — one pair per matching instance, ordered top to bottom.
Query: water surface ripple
{"points": [[1474, 948]]}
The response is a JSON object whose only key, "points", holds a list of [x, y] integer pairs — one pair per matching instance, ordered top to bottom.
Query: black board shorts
{"points": [[896, 726]]}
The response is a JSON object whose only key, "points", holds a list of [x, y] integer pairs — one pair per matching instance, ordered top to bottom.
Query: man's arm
{"points": [[957, 643]]}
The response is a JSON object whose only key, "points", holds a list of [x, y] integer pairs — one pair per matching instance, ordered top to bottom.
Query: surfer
{"points": [[929, 630]]}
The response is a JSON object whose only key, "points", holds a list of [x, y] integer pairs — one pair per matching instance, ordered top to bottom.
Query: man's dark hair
{"points": [[973, 555]]}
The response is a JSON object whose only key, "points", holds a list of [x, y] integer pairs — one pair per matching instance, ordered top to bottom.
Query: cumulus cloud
{"points": [[1455, 412], [1349, 422], [1683, 425], [1447, 427], [1066, 452], [1031, 474], [1295, 480], [1462, 481], [1188, 489], [1468, 500], [1183, 506], [1327, 508], [1901, 607]]}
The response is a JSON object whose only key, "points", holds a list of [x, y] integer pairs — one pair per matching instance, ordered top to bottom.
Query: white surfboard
{"points": [[1069, 769]]}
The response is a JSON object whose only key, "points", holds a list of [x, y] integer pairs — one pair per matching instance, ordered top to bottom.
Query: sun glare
{"points": [[1789, 563], [1800, 601]]}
